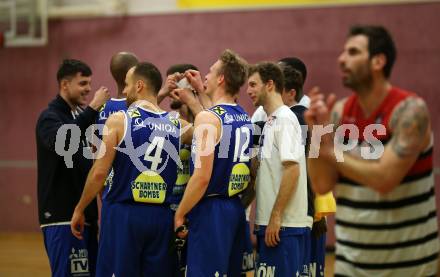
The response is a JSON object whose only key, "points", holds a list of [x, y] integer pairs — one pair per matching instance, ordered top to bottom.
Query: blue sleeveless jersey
{"points": [[111, 106], [145, 165], [231, 169], [183, 174]]}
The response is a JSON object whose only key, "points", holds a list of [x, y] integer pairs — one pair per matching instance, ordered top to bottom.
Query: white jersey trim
{"points": [[125, 129], [59, 224]]}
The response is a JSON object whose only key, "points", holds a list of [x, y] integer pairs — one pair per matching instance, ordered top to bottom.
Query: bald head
{"points": [[119, 65]]}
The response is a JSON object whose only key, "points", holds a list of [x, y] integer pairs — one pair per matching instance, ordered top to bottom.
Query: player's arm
{"points": [[195, 79], [170, 84], [187, 97], [204, 100], [411, 130], [187, 131], [206, 131], [322, 169], [99, 171], [289, 182]]}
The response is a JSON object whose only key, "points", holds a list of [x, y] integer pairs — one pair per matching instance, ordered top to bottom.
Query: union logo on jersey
{"points": [[228, 119]]}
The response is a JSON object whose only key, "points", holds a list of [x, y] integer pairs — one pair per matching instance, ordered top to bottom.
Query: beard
{"points": [[359, 80], [261, 99], [130, 100], [175, 104]]}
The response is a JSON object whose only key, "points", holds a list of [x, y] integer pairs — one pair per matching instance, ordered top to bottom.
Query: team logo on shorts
{"points": [[79, 262], [266, 271]]}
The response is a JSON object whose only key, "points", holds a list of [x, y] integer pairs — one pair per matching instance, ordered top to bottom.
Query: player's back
{"points": [[110, 107], [145, 166], [231, 169], [137, 225]]}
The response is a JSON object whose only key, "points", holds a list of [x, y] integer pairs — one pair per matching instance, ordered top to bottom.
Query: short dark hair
{"points": [[379, 42], [297, 64], [70, 67], [180, 68], [234, 68], [269, 71], [150, 74], [293, 80]]}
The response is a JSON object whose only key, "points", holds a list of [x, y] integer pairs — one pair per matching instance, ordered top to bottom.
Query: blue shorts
{"points": [[217, 230], [135, 240], [180, 253], [248, 254], [69, 256], [291, 257], [317, 257]]}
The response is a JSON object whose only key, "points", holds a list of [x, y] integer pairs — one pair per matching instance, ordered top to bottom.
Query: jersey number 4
{"points": [[155, 160]]}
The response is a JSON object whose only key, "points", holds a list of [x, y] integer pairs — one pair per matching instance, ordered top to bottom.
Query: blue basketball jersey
{"points": [[111, 106], [145, 165], [231, 169], [182, 175]]}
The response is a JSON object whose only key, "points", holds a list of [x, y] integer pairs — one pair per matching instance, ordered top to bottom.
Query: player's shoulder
{"points": [[339, 105], [411, 109], [286, 113], [259, 115], [206, 117], [116, 118]]}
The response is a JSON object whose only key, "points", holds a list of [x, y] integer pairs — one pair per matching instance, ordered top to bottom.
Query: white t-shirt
{"points": [[305, 101], [260, 114], [281, 142]]}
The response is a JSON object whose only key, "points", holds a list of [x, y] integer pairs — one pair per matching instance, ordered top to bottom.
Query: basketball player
{"points": [[120, 63], [294, 70], [176, 72], [220, 163], [282, 221], [386, 222], [135, 241]]}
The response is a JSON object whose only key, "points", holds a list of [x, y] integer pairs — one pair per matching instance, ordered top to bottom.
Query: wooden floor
{"points": [[23, 254]]}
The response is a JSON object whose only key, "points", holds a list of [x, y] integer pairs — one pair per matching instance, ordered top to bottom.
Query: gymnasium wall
{"points": [[27, 75]]}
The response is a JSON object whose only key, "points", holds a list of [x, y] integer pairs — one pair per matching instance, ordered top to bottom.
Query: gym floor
{"points": [[23, 254]]}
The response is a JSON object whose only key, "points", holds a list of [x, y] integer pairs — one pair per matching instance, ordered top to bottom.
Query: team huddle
{"points": [[176, 187]]}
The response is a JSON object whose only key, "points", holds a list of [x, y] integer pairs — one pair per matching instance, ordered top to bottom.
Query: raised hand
{"points": [[195, 79], [101, 96], [320, 108]]}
